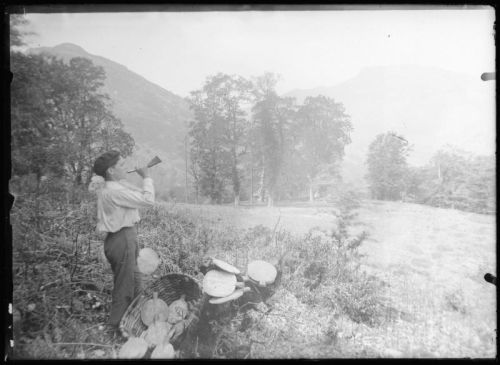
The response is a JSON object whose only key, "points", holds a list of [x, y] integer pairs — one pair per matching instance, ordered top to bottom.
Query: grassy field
{"points": [[432, 262], [412, 288]]}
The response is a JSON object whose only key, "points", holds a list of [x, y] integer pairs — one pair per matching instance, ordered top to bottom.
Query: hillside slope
{"points": [[430, 107], [155, 117]]}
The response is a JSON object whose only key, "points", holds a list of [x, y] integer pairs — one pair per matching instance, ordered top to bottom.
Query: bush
{"points": [[463, 181], [342, 196], [323, 268], [57, 275]]}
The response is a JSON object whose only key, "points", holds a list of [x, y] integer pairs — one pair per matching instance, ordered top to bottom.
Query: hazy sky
{"points": [[178, 50]]}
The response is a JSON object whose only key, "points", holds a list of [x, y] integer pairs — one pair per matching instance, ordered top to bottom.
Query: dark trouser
{"points": [[121, 250]]}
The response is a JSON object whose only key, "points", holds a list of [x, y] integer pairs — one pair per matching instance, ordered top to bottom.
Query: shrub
{"points": [[323, 268]]}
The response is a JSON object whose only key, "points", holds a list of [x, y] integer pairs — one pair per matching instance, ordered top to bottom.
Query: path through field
{"points": [[433, 261]]}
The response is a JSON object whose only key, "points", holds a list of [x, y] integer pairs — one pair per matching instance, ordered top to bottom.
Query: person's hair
{"points": [[104, 162]]}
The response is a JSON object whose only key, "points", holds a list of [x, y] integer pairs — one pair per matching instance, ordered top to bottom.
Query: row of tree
{"points": [[60, 119], [243, 131], [246, 140], [453, 178]]}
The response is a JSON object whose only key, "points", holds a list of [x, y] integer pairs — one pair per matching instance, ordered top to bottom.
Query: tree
{"points": [[17, 34], [234, 93], [83, 112], [273, 118], [60, 119], [324, 132], [217, 134], [112, 136], [36, 147], [209, 156], [387, 166], [417, 179], [458, 179], [481, 187]]}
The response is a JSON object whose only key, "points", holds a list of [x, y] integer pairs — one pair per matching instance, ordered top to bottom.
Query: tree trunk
{"points": [[79, 175], [251, 176], [78, 179], [196, 184], [236, 185], [262, 188], [311, 190], [197, 193], [270, 200]]}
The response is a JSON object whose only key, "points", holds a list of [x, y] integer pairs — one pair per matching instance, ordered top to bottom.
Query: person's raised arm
{"points": [[137, 199]]}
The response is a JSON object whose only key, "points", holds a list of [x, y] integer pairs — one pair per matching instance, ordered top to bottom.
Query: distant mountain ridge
{"points": [[430, 107]]}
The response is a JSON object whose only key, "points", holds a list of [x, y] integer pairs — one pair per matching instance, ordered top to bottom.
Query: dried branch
{"points": [[80, 344]]}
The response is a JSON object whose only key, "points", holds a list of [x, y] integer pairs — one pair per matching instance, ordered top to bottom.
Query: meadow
{"points": [[361, 279]]}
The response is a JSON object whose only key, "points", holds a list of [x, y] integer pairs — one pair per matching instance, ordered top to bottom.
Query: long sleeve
{"points": [[135, 199], [118, 204]]}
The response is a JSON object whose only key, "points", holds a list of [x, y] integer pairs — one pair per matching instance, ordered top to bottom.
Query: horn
{"points": [[154, 161]]}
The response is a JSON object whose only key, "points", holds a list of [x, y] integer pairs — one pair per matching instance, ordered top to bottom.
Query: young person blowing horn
{"points": [[117, 214]]}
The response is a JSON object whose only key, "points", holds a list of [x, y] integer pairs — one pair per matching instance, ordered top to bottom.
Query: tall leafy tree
{"points": [[234, 93], [83, 112], [273, 118], [61, 120], [324, 132], [217, 134], [36, 143], [208, 154], [387, 166]]}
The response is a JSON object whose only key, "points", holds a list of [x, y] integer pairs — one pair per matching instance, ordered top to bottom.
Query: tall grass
{"points": [[62, 284]]}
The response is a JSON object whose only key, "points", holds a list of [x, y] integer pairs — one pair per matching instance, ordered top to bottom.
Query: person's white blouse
{"points": [[118, 204]]}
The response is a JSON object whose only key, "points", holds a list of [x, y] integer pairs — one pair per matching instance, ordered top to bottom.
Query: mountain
{"points": [[430, 107], [156, 118]]}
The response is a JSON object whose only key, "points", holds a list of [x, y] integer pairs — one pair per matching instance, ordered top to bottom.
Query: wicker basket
{"points": [[169, 288]]}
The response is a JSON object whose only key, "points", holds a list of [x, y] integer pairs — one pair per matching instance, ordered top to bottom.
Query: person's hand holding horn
{"points": [[142, 171]]}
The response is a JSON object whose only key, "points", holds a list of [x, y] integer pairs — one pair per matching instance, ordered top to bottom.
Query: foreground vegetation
{"points": [[62, 281], [328, 303]]}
